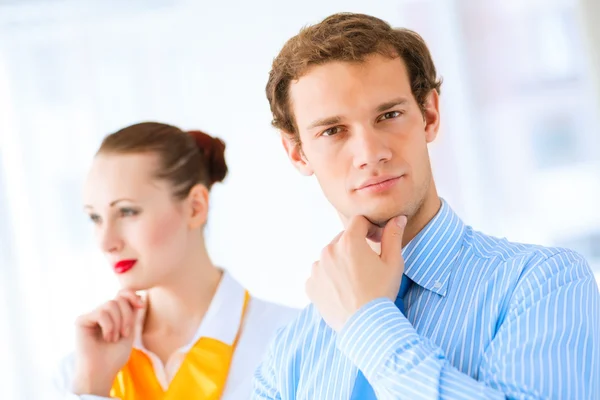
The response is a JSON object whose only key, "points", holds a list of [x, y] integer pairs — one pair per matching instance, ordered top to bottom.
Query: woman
{"points": [[196, 333]]}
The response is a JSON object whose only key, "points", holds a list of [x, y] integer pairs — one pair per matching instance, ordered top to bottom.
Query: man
{"points": [[408, 302]]}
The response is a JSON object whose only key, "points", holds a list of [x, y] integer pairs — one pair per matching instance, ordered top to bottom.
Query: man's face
{"points": [[364, 137]]}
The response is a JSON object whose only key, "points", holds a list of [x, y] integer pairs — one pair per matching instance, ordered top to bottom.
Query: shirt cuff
{"points": [[376, 331]]}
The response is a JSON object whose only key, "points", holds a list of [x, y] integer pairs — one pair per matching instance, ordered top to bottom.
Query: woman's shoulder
{"points": [[270, 313], [261, 314]]}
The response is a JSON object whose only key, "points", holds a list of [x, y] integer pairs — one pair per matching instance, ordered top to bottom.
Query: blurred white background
{"points": [[518, 155]]}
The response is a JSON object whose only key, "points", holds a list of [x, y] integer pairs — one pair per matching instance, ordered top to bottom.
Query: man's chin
{"points": [[380, 216], [378, 222], [376, 230]]}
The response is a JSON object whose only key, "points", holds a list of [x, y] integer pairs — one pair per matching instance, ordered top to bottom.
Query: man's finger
{"points": [[358, 228], [337, 238], [391, 240], [309, 285]]}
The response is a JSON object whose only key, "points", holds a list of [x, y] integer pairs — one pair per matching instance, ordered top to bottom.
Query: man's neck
{"points": [[424, 214]]}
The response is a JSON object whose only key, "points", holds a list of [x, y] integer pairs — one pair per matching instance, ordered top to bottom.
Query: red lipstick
{"points": [[124, 265]]}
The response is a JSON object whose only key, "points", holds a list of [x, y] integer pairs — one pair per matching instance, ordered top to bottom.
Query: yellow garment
{"points": [[202, 374]]}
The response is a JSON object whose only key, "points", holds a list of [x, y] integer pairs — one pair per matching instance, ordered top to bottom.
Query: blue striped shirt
{"points": [[485, 319]]}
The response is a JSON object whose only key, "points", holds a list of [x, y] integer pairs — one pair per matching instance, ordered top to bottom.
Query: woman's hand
{"points": [[104, 340]]}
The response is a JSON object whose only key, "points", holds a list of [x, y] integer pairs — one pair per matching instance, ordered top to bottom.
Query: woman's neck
{"points": [[180, 305]]}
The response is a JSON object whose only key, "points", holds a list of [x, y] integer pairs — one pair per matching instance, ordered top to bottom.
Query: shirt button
{"points": [[437, 285]]}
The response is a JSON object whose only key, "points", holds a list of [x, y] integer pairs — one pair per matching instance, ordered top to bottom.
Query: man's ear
{"points": [[431, 114], [294, 151]]}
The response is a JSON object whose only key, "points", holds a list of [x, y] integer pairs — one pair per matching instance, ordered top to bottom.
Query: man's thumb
{"points": [[391, 240]]}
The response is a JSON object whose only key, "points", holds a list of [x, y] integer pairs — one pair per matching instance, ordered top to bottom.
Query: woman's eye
{"points": [[128, 212]]}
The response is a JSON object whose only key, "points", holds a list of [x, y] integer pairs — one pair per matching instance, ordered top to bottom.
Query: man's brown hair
{"points": [[351, 38]]}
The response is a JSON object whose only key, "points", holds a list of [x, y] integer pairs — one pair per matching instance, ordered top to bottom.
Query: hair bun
{"points": [[213, 150]]}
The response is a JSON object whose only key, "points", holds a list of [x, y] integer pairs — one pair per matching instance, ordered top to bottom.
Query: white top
{"points": [[221, 322]]}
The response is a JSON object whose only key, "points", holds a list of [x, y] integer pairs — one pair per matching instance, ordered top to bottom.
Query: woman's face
{"points": [[142, 229]]}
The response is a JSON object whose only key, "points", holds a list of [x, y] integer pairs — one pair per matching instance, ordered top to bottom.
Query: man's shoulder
{"points": [[523, 258], [299, 333]]}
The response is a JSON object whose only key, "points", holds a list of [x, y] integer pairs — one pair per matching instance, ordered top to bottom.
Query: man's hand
{"points": [[350, 274]]}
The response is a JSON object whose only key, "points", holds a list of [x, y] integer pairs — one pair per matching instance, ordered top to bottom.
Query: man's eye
{"points": [[390, 115], [331, 131]]}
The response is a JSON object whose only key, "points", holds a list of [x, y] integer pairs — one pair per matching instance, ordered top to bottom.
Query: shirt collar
{"points": [[428, 258], [222, 319]]}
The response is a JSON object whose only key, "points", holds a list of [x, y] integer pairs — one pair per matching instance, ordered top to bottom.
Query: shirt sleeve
{"points": [[547, 345], [265, 377], [63, 379]]}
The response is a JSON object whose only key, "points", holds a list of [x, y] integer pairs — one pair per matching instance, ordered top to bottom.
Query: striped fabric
{"points": [[485, 319]]}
